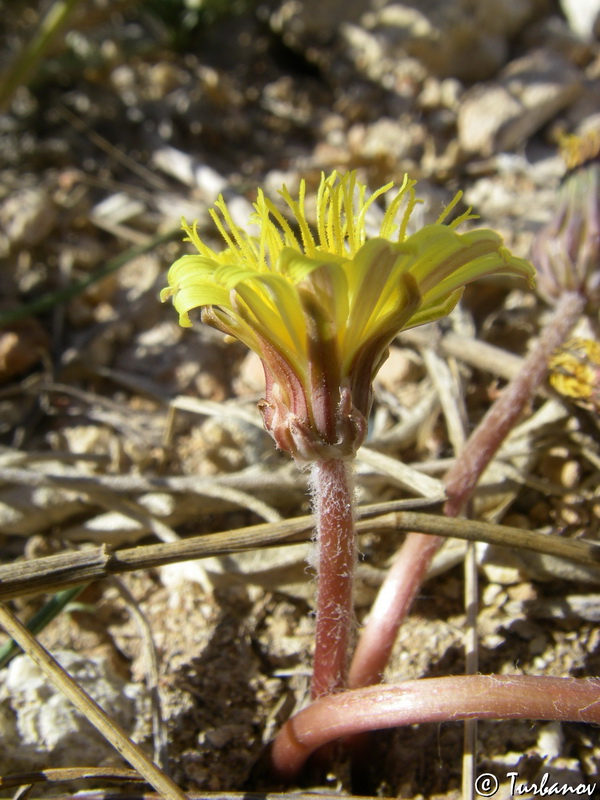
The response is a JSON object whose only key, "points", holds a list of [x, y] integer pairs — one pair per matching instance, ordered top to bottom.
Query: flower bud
{"points": [[566, 252]]}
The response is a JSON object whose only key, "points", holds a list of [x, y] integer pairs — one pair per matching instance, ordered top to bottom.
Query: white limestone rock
{"points": [[583, 16], [452, 38], [531, 90], [40, 727]]}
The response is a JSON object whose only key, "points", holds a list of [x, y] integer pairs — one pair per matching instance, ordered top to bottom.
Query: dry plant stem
{"points": [[333, 505], [70, 568], [404, 577], [471, 667], [432, 700], [107, 727], [159, 730], [69, 774]]}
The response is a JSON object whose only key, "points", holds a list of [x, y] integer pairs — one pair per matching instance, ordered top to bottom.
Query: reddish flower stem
{"points": [[485, 440], [333, 504], [404, 578], [397, 592], [432, 700]]}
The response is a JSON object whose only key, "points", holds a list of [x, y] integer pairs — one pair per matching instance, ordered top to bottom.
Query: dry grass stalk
{"points": [[72, 568], [110, 729]]}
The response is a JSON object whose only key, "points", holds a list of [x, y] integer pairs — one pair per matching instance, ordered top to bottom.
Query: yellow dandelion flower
{"points": [[320, 304]]}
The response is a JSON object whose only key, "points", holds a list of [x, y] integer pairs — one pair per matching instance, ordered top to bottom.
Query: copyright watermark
{"points": [[487, 785]]}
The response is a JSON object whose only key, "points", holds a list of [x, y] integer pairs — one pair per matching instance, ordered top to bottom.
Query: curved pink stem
{"points": [[397, 592], [432, 700]]}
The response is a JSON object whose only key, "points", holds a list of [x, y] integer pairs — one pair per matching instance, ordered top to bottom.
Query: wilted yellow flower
{"points": [[580, 150], [321, 304], [575, 371]]}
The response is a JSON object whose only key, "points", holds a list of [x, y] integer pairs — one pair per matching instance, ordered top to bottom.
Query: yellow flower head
{"points": [[321, 304], [575, 371]]}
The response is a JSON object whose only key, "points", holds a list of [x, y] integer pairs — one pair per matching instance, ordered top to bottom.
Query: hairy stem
{"points": [[333, 501], [403, 579], [432, 700]]}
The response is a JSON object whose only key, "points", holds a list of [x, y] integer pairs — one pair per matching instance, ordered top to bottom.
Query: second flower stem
{"points": [[333, 503], [404, 578], [397, 593]]}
